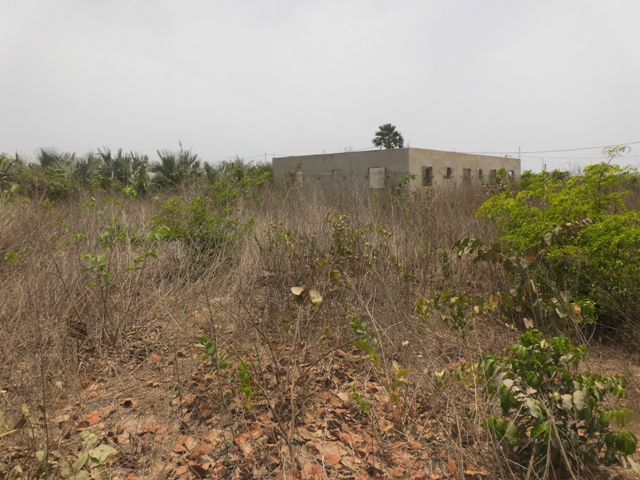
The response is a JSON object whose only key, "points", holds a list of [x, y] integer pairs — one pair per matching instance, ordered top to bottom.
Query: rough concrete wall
{"points": [[439, 161], [348, 168]]}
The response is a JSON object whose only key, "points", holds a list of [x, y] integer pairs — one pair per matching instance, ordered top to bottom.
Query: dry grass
{"points": [[121, 360]]}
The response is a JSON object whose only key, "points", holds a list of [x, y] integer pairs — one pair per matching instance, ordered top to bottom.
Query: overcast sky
{"points": [[298, 77]]}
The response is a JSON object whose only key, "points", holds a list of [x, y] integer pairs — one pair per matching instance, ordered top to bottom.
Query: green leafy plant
{"points": [[403, 185], [199, 225], [577, 235], [355, 247], [98, 265], [531, 293], [455, 310], [366, 342], [210, 351], [246, 383], [361, 401], [549, 414], [91, 460]]}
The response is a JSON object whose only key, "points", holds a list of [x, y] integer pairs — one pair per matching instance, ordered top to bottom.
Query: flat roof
{"points": [[394, 149]]}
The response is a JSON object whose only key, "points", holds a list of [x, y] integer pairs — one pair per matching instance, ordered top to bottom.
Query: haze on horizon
{"points": [[251, 78]]}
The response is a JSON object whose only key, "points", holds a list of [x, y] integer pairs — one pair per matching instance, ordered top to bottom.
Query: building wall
{"points": [[439, 161], [353, 168]]}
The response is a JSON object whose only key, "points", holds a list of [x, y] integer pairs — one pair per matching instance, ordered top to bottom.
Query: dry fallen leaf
{"points": [[297, 291], [315, 297], [94, 418], [123, 438], [243, 441], [190, 443], [329, 453], [453, 468], [183, 470], [311, 471], [476, 472]]}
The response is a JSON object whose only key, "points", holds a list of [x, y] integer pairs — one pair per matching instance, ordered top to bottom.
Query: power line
{"points": [[559, 150], [529, 157]]}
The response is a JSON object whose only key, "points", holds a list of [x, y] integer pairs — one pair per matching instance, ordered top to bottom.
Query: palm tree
{"points": [[388, 137], [175, 167], [86, 168]]}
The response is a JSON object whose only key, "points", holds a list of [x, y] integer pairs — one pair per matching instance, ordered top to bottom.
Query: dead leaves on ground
{"points": [[330, 438]]}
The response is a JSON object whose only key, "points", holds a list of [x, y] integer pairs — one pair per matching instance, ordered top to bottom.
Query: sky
{"points": [[287, 77]]}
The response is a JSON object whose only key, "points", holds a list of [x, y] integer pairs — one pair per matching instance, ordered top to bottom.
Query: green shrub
{"points": [[236, 179], [49, 182], [548, 200], [202, 227], [578, 232], [550, 416]]}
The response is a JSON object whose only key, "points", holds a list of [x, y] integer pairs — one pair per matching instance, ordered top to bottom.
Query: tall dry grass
{"points": [[60, 326]]}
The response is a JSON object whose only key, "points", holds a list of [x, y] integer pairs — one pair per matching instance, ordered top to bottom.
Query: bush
{"points": [[236, 179], [41, 182], [199, 225], [580, 232], [550, 415]]}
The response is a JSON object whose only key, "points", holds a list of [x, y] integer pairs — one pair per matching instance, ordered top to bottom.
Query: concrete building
{"points": [[379, 169]]}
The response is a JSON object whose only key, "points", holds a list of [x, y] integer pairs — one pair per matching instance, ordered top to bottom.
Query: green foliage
{"points": [[388, 137], [175, 168], [122, 170], [59, 175], [236, 179], [50, 182], [403, 185], [549, 200], [200, 225], [578, 233], [353, 246], [98, 265], [532, 294], [455, 310], [367, 342], [210, 351], [246, 383], [361, 401], [547, 411], [90, 460]]}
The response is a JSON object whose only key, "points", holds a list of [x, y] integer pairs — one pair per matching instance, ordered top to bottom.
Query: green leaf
{"points": [[534, 407], [497, 426], [541, 429], [512, 434], [89, 439], [623, 442], [102, 452], [80, 461], [65, 469]]}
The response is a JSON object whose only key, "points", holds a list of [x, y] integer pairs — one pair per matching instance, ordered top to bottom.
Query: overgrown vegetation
{"points": [[574, 240], [196, 321], [551, 417]]}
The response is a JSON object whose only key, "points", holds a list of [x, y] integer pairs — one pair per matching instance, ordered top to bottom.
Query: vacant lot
{"points": [[230, 328]]}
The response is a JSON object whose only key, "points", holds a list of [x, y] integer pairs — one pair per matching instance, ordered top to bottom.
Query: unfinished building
{"points": [[380, 169]]}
